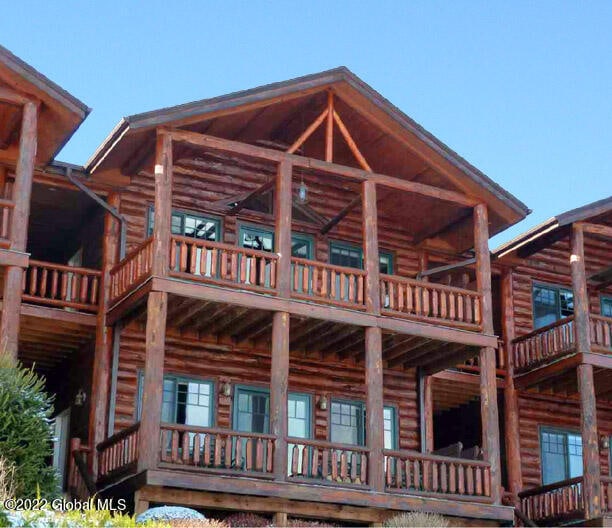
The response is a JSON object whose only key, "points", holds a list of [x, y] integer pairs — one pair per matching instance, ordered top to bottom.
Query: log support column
{"points": [[282, 233], [370, 247], [13, 277], [488, 381], [586, 385], [278, 392], [511, 409], [375, 440]]}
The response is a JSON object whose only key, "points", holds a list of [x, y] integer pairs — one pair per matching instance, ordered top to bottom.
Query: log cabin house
{"points": [[556, 284], [278, 300]]}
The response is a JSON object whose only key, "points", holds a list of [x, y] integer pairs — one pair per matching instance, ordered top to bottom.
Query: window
{"points": [[191, 225], [263, 240], [301, 246], [351, 256], [551, 303], [606, 306], [184, 400], [348, 424], [561, 455]]}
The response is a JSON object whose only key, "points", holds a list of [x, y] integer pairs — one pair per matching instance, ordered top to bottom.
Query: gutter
{"points": [[122, 221]]}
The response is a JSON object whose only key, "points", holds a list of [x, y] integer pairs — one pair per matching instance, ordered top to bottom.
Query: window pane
{"points": [[257, 239], [341, 255], [386, 263], [566, 302], [545, 306], [606, 307], [253, 411], [298, 416], [347, 423], [389, 428], [574, 449], [554, 451]]}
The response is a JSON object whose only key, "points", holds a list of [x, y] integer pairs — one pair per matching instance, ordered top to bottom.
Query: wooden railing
{"points": [[6, 216], [214, 262], [132, 269], [318, 281], [59, 285], [431, 302], [601, 333], [544, 344], [473, 364], [217, 449], [118, 454], [328, 462], [412, 472], [80, 484], [606, 494], [555, 501]]}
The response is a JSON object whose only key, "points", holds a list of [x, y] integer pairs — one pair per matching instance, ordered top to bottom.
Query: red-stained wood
{"points": [[163, 204], [283, 208], [370, 253], [488, 384], [278, 390], [374, 406], [429, 415]]}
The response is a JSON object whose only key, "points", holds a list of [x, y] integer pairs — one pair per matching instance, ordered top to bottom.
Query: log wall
{"points": [[248, 366]]}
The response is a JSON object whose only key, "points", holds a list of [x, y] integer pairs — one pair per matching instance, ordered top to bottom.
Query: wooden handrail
{"points": [[10, 204], [229, 247], [131, 254], [64, 267], [334, 267], [421, 283], [543, 329], [215, 430], [118, 436], [323, 444], [435, 458], [549, 487]]}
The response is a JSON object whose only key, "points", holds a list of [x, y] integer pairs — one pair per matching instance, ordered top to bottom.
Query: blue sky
{"points": [[523, 90]]}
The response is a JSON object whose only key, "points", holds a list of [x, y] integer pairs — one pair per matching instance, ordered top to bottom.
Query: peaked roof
{"points": [[340, 77], [554, 228]]}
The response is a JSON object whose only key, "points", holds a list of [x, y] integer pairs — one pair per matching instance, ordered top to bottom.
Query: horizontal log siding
{"points": [[551, 265], [235, 365], [538, 410]]}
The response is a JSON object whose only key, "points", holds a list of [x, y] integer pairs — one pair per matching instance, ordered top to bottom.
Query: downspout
{"points": [[122, 222]]}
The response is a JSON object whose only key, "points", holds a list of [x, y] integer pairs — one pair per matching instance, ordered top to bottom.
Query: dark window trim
{"points": [[185, 212], [353, 246], [550, 286], [604, 298], [555, 430]]}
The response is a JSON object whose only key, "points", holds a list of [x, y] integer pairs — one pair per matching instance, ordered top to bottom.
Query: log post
{"points": [[162, 214], [283, 228], [370, 242], [13, 277], [488, 381], [100, 384], [586, 385], [278, 391], [511, 409], [428, 413], [150, 419], [375, 440]]}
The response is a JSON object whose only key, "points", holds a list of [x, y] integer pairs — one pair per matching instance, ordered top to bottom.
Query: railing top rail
{"points": [[7, 203], [229, 247], [131, 254], [64, 267], [341, 269], [431, 285], [603, 318], [543, 329], [214, 430], [118, 436], [327, 445], [436, 458], [606, 478], [550, 487]]}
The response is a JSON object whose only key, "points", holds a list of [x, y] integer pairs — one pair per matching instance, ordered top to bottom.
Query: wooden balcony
{"points": [[232, 267], [557, 340], [209, 451], [562, 502]]}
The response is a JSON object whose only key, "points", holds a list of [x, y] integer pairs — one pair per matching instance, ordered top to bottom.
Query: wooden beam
{"points": [[12, 97], [11, 127], [329, 130], [308, 132], [351, 143], [226, 145], [256, 192], [163, 204], [337, 219], [283, 228], [595, 229], [370, 249], [448, 267], [581, 296], [488, 385], [278, 391], [374, 408], [429, 413], [150, 420], [591, 485]]}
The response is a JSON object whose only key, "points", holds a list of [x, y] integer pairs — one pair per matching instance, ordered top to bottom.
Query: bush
{"points": [[25, 430], [7, 480], [169, 513], [91, 518], [247, 520], [416, 520], [202, 523], [303, 523]]}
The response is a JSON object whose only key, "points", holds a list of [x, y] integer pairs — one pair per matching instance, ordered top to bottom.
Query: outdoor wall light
{"points": [[302, 193], [226, 389], [80, 398], [323, 403], [604, 442]]}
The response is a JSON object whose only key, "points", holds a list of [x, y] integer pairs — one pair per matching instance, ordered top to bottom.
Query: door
{"points": [[61, 444]]}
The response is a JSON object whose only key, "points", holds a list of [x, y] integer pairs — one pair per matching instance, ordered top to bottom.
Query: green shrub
{"points": [[25, 430], [247, 520], [416, 520]]}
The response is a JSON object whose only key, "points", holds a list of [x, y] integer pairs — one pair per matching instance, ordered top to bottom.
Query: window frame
{"points": [[183, 213], [245, 227], [304, 237], [352, 246], [557, 288], [604, 299], [178, 378], [394, 426], [361, 431], [559, 431]]}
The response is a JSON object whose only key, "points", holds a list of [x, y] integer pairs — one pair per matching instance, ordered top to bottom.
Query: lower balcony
{"points": [[562, 502]]}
